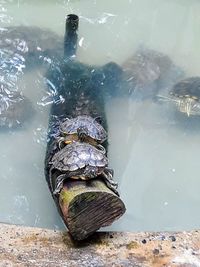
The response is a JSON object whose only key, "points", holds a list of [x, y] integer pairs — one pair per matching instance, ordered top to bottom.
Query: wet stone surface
{"points": [[19, 245]]}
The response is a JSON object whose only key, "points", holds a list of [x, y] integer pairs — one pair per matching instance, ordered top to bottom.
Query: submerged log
{"points": [[85, 206]]}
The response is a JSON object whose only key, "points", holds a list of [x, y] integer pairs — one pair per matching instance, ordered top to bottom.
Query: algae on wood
{"points": [[87, 206]]}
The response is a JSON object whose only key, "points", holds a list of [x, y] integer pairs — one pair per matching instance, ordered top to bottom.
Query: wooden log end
{"points": [[88, 206]]}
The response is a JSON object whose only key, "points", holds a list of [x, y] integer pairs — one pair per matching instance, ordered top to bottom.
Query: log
{"points": [[71, 36], [85, 206]]}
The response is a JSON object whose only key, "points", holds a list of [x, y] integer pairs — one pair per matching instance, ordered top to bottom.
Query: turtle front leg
{"points": [[61, 142], [108, 175], [59, 184]]}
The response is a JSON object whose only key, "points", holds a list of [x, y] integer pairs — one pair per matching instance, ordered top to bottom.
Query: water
{"points": [[154, 156]]}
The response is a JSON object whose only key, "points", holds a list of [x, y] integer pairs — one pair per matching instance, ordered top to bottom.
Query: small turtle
{"points": [[186, 95], [83, 128], [80, 161]]}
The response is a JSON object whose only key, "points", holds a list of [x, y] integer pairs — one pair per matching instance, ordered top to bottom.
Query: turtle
{"points": [[32, 43], [22, 48], [142, 68], [148, 71], [186, 95], [83, 128], [80, 161]]}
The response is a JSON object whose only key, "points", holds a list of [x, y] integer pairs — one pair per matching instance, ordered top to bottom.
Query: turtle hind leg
{"points": [[108, 178], [111, 186]]}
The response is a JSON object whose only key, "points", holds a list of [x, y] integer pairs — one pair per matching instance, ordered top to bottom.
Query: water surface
{"points": [[154, 156]]}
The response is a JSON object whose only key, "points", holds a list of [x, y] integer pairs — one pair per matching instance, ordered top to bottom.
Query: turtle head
{"points": [[189, 106], [99, 120], [82, 132], [91, 172]]}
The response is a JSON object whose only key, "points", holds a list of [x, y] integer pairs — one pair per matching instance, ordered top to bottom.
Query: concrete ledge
{"points": [[27, 247]]}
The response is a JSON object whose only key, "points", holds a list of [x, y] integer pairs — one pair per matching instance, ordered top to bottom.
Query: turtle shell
{"points": [[147, 65], [188, 88], [93, 129], [77, 156]]}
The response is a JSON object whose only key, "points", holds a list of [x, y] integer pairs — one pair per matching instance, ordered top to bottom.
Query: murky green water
{"points": [[156, 161]]}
